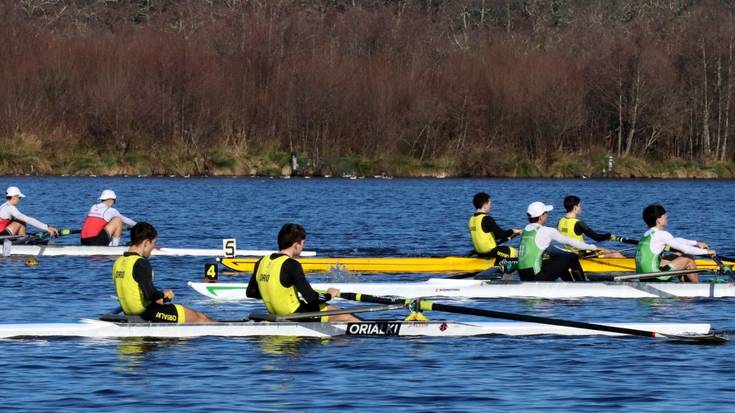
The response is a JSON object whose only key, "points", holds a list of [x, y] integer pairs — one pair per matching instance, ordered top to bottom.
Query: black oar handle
{"points": [[624, 240]]}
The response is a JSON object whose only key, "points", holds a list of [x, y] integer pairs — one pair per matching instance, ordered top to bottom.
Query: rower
{"points": [[13, 222], [104, 224], [571, 226], [486, 234], [536, 238], [656, 239], [133, 277], [278, 279]]}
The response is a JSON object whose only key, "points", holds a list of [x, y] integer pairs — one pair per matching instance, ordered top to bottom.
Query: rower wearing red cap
{"points": [[13, 222], [104, 224]]}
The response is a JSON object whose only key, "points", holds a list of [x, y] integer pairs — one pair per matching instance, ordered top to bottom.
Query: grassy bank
{"points": [[29, 155]]}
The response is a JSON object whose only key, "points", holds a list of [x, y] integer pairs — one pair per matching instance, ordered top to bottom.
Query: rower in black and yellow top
{"points": [[571, 226], [486, 234], [133, 277], [278, 279]]}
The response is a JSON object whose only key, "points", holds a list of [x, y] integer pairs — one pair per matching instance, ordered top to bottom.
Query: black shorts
{"points": [[101, 239], [502, 252], [565, 266], [311, 308], [166, 313]]}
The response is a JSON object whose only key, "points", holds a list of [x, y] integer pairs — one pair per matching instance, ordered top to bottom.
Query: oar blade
{"points": [[714, 339]]}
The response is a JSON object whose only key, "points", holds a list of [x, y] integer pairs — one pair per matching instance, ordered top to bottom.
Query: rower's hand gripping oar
{"points": [[422, 305]]}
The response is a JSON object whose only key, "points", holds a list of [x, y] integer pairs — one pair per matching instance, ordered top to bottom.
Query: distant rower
{"points": [[13, 222], [103, 224], [571, 226], [486, 234], [536, 238], [651, 246], [133, 277], [278, 279]]}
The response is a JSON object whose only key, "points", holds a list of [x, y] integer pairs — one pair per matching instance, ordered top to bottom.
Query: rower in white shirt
{"points": [[13, 222], [104, 224], [536, 238], [648, 257]]}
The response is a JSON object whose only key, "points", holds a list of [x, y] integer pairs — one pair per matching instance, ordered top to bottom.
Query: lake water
{"points": [[355, 217]]}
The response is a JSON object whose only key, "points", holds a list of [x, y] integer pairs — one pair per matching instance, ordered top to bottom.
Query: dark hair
{"points": [[480, 199], [570, 202], [651, 213], [531, 219], [142, 231], [289, 235]]}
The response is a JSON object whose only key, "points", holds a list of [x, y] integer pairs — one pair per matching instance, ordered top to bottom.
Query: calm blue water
{"points": [[355, 217]]}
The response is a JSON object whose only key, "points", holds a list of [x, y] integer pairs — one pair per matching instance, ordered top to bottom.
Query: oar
{"points": [[41, 234], [624, 240], [725, 269], [657, 274], [431, 306], [300, 316]]}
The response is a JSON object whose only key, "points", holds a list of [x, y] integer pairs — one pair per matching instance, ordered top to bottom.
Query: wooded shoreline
{"points": [[527, 88]]}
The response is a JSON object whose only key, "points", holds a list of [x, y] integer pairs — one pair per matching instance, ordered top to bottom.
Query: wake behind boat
{"points": [[442, 287], [93, 328]]}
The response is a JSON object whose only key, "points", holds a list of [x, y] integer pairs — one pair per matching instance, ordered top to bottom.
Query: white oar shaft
{"points": [[657, 274]]}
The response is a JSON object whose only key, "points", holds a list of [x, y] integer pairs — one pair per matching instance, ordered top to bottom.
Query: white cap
{"points": [[13, 191], [108, 194], [536, 209]]}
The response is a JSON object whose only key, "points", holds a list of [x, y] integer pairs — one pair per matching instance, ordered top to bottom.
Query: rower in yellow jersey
{"points": [[571, 226], [486, 234], [133, 277], [278, 279]]}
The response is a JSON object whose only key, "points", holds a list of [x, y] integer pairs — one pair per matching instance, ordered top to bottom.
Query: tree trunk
{"points": [[635, 97], [705, 111], [726, 127]]}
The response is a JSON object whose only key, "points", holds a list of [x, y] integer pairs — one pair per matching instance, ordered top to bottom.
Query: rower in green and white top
{"points": [[571, 226], [486, 234], [536, 238], [656, 239]]}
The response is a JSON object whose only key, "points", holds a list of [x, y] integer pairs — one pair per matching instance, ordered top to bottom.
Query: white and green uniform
{"points": [[535, 239], [652, 245]]}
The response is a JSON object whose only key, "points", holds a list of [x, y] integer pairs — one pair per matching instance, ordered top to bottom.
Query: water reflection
{"points": [[288, 345], [136, 351]]}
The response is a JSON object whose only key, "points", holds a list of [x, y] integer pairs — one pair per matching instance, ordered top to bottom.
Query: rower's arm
{"points": [[112, 213], [18, 216], [582, 228], [501, 235], [558, 237], [686, 246], [293, 274], [143, 275], [253, 291]]}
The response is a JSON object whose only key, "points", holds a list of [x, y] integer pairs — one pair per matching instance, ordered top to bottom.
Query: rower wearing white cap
{"points": [[13, 222], [104, 224], [536, 238]]}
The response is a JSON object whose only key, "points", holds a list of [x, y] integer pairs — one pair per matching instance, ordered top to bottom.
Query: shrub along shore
{"points": [[29, 155]]}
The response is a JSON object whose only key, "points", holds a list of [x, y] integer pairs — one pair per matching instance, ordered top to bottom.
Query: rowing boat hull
{"points": [[87, 251], [431, 264], [440, 287], [104, 329]]}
